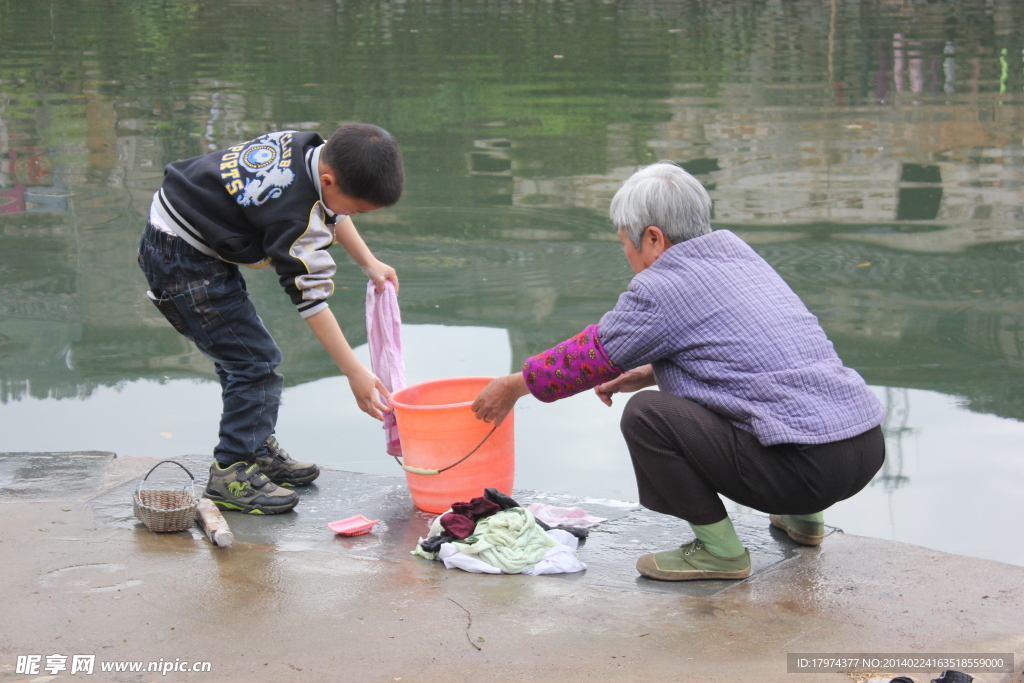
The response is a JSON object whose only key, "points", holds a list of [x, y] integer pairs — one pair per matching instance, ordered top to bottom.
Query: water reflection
{"points": [[872, 152], [897, 413]]}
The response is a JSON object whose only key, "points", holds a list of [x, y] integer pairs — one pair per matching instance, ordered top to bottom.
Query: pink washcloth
{"points": [[384, 336], [556, 516]]}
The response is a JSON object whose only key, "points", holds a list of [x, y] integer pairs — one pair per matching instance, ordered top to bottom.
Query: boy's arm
{"points": [[347, 236], [364, 383]]}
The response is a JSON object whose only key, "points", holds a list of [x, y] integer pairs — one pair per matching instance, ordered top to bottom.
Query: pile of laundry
{"points": [[493, 534]]}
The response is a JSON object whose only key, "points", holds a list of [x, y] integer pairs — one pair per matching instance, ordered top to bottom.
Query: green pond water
{"points": [[870, 151]]}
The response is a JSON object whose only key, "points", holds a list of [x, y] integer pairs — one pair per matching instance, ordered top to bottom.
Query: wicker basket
{"points": [[166, 510]]}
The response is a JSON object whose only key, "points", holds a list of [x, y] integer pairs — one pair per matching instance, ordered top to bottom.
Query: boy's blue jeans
{"points": [[204, 298]]}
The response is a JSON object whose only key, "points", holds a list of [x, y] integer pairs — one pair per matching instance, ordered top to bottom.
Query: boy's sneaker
{"points": [[281, 469], [244, 488], [801, 531], [693, 561]]}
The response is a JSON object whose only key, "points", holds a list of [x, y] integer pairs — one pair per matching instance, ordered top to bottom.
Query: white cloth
{"points": [[384, 337], [556, 516], [435, 527], [563, 537], [452, 558], [561, 559]]}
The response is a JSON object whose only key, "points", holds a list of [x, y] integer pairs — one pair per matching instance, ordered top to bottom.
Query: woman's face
{"points": [[652, 244], [632, 255]]}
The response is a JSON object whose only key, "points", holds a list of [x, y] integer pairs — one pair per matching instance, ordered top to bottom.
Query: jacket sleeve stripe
{"points": [[308, 308]]}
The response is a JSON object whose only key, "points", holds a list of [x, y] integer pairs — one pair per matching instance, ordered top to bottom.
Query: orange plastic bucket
{"points": [[437, 428]]}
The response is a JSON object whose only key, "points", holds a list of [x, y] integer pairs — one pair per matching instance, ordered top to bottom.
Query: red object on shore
{"points": [[352, 526]]}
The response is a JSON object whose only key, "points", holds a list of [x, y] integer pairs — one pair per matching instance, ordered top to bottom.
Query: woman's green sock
{"points": [[813, 518], [719, 538]]}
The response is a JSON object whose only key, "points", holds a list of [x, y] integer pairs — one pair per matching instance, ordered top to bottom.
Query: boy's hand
{"points": [[348, 237], [379, 273], [365, 385]]}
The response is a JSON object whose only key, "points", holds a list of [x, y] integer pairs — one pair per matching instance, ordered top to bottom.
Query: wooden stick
{"points": [[212, 522], [470, 624]]}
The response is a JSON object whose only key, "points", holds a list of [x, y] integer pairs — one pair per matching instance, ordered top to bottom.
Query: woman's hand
{"points": [[379, 273], [631, 380], [365, 385], [499, 397]]}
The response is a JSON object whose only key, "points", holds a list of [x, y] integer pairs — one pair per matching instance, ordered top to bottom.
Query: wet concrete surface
{"points": [[34, 477], [610, 552], [80, 577]]}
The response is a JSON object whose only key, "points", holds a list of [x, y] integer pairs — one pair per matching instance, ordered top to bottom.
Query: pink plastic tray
{"points": [[353, 526]]}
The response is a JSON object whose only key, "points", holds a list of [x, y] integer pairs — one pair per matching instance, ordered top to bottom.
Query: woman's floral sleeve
{"points": [[577, 364]]}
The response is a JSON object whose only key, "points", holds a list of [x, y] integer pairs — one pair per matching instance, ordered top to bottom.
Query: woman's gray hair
{"points": [[665, 196]]}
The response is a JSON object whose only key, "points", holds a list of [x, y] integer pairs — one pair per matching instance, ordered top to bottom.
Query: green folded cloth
{"points": [[509, 540]]}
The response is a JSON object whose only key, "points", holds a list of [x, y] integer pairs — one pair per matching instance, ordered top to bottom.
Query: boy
{"points": [[278, 201]]}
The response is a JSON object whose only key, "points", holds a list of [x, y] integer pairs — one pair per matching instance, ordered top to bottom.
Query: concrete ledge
{"points": [[287, 608]]}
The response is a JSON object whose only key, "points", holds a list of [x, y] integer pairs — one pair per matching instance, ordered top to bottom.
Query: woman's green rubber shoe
{"points": [[802, 531], [693, 561]]}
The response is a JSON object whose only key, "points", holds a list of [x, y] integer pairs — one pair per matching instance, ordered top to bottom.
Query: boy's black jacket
{"points": [[257, 203]]}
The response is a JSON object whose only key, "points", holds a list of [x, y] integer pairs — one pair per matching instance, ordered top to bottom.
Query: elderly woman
{"points": [[753, 402]]}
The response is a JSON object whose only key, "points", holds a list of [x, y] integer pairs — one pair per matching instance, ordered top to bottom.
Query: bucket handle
{"points": [[431, 472]]}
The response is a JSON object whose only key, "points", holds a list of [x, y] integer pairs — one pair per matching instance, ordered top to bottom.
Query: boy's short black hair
{"points": [[367, 163]]}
